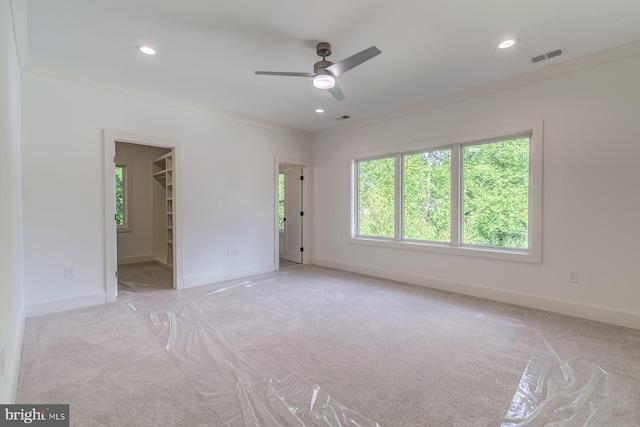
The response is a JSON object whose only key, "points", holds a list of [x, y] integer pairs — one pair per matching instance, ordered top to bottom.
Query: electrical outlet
{"points": [[232, 184], [69, 271], [572, 276]]}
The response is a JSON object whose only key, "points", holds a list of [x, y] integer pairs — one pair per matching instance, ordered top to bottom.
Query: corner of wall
{"points": [[11, 244], [12, 356]]}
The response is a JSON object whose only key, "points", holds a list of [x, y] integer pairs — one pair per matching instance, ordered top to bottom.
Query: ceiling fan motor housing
{"points": [[323, 49], [321, 65]]}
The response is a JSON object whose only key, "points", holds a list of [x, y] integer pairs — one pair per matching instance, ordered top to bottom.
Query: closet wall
{"points": [[136, 244]]}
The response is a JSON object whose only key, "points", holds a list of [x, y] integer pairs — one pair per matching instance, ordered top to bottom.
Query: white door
{"points": [[293, 214]]}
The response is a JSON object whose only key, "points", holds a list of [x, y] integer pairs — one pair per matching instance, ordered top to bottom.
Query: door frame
{"points": [[306, 208], [110, 228]]}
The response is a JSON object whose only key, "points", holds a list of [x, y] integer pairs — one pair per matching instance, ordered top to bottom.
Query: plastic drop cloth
{"points": [[246, 387], [242, 391], [557, 393]]}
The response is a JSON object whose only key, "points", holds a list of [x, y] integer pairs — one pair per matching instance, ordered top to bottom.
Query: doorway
{"points": [[141, 194], [144, 217], [291, 221]]}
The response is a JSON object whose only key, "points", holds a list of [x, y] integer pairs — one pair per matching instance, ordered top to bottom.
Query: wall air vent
{"points": [[548, 55]]}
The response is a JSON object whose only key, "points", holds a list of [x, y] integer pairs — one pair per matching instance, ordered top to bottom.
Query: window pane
{"points": [[376, 182], [496, 194], [120, 195], [427, 196], [281, 201]]}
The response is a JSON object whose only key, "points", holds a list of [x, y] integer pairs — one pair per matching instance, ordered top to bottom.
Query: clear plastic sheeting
{"points": [[127, 286], [312, 346], [241, 384], [557, 393]]}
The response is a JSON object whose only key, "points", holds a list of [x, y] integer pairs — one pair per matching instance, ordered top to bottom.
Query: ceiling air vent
{"points": [[554, 53], [547, 55], [538, 58]]}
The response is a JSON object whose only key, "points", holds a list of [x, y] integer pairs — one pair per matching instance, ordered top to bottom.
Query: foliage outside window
{"points": [[376, 183], [496, 194], [427, 196], [121, 197], [466, 197], [281, 219]]}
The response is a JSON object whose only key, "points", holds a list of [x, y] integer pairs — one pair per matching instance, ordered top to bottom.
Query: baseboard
{"points": [[135, 259], [162, 263], [190, 282], [59, 305], [599, 314], [12, 362]]}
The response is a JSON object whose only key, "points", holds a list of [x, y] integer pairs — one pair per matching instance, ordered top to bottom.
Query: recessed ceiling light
{"points": [[507, 43], [146, 49], [319, 110]]}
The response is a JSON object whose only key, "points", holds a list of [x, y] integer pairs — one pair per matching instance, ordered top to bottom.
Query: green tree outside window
{"points": [[120, 196]]}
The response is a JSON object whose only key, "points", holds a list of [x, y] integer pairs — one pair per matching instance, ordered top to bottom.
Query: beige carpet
{"points": [[285, 263], [144, 276], [317, 347]]}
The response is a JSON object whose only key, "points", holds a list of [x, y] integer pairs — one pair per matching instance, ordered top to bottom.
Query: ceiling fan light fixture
{"points": [[324, 80]]}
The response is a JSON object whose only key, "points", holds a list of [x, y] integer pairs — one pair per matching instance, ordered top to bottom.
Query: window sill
{"points": [[124, 229], [446, 249]]}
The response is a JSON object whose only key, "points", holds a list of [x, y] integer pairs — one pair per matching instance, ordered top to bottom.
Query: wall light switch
{"points": [[69, 271], [572, 276]]}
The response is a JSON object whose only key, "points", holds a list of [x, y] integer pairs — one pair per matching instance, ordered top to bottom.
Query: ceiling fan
{"points": [[325, 72]]}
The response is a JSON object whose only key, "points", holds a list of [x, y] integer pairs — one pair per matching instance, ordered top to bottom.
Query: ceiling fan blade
{"points": [[354, 60], [278, 73], [337, 93]]}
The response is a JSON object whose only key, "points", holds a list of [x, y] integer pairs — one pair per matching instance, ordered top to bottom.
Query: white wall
{"points": [[64, 197], [591, 198], [136, 244], [11, 292]]}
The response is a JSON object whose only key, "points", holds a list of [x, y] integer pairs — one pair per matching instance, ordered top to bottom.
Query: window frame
{"points": [[125, 227], [532, 254]]}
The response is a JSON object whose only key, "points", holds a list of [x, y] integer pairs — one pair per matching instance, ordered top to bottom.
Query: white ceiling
{"points": [[208, 50]]}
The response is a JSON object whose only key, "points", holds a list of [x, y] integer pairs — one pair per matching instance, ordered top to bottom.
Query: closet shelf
{"points": [[163, 173]]}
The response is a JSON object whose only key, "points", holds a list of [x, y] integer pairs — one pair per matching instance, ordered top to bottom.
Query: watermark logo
{"points": [[34, 415]]}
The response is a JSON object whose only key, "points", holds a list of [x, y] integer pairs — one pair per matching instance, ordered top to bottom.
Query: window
{"points": [[376, 194], [427, 196], [496, 196], [121, 198], [479, 198], [281, 218]]}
